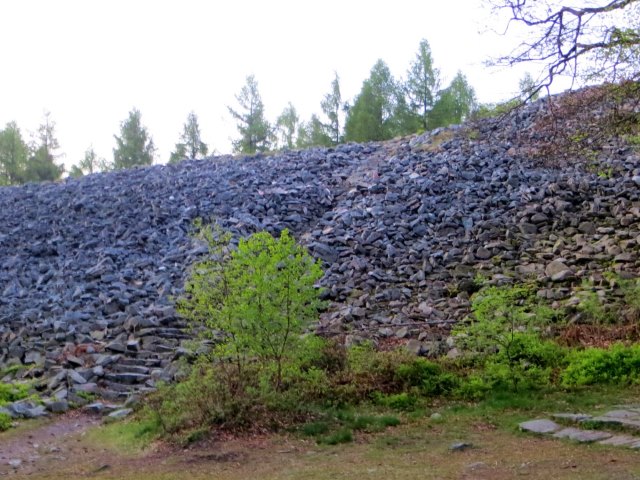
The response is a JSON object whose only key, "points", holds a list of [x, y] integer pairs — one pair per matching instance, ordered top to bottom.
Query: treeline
{"points": [[385, 107]]}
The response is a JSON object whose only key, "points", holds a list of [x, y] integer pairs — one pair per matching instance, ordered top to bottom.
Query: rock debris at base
{"points": [[89, 267]]}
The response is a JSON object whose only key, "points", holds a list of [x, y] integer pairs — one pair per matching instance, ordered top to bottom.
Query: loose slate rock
{"points": [[539, 426], [582, 436]]}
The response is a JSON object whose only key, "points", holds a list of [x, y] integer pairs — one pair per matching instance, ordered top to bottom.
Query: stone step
{"points": [[142, 362], [138, 369], [127, 378], [581, 435]]}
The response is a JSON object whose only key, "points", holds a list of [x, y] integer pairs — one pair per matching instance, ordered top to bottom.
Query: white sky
{"points": [[89, 62]]}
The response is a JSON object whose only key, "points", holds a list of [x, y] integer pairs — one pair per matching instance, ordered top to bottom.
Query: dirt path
{"points": [[34, 447]]}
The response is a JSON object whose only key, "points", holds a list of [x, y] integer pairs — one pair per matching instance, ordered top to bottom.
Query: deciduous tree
{"points": [[589, 39]]}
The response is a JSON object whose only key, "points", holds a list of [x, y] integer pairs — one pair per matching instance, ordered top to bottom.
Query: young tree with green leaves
{"points": [[422, 84], [455, 104], [331, 106], [287, 127], [254, 129], [190, 145], [134, 146], [14, 154], [261, 296]]}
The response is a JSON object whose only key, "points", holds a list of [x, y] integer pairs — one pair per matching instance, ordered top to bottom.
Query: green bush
{"points": [[255, 300], [503, 339], [615, 365], [11, 392], [396, 401], [5, 422]]}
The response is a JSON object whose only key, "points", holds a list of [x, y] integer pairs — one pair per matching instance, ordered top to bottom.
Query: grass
{"points": [[127, 437], [413, 449]]}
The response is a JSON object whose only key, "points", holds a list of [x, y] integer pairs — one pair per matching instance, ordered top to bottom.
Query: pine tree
{"points": [[422, 84], [331, 105], [372, 115], [255, 131], [190, 144], [134, 146], [90, 163], [41, 165]]}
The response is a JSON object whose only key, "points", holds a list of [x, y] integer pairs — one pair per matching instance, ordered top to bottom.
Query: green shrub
{"points": [[255, 300], [615, 365], [473, 387], [11, 392], [397, 401], [5, 422], [314, 429], [341, 436]]}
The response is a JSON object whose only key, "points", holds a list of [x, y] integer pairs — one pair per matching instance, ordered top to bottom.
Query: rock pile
{"points": [[89, 267]]}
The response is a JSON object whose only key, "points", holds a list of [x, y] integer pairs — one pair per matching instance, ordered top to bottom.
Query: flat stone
{"points": [[118, 414], [631, 423], [539, 426], [582, 436], [620, 441]]}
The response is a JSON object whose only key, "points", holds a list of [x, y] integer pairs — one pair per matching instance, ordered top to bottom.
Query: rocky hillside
{"points": [[89, 267]]}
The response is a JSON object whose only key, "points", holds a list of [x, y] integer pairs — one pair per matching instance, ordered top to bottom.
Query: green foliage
{"points": [[422, 84], [528, 88], [331, 105], [454, 105], [491, 110], [372, 115], [287, 127], [254, 130], [313, 134], [190, 145], [134, 146], [14, 154], [91, 163], [260, 298], [593, 308], [504, 337], [618, 364], [11, 392], [396, 401], [5, 422], [341, 436]]}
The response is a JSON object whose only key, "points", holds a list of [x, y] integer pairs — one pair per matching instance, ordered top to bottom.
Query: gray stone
{"points": [[555, 267], [119, 414], [539, 426], [582, 436]]}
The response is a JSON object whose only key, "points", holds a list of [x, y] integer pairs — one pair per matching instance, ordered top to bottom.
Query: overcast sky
{"points": [[90, 62]]}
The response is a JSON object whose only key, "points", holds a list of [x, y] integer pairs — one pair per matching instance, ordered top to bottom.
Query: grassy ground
{"points": [[418, 448]]}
